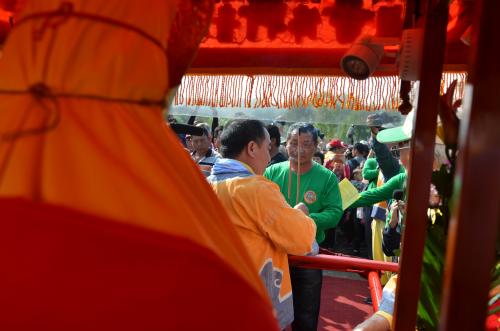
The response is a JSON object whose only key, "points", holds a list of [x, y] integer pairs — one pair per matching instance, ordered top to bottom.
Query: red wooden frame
{"points": [[422, 155], [475, 221]]}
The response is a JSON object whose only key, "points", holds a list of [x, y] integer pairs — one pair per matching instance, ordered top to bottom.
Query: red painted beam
{"points": [[330, 262], [375, 289]]}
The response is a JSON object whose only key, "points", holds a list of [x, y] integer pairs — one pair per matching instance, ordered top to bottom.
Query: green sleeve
{"points": [[382, 193], [331, 209]]}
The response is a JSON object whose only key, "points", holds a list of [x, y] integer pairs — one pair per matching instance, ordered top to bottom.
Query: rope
{"points": [[66, 10]]}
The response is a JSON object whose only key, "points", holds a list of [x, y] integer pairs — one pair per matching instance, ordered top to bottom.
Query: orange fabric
{"points": [[110, 159], [380, 182], [378, 227], [128, 278]]}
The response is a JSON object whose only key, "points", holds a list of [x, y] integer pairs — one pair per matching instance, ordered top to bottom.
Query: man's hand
{"points": [[302, 207]]}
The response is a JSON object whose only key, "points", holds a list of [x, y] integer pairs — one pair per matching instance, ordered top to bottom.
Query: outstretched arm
{"points": [[382, 193], [374, 323]]}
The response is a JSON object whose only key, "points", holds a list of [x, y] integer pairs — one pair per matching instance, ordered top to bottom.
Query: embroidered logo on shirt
{"points": [[310, 197]]}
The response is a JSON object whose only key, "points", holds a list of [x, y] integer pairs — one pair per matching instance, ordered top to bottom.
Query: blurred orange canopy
{"points": [[82, 88]]}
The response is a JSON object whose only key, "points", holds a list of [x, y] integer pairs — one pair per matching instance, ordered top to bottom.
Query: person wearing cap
{"points": [[400, 136], [335, 147], [335, 159], [388, 164], [384, 167], [303, 180], [269, 228], [382, 319]]}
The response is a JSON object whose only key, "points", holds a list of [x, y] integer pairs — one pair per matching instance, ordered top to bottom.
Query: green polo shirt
{"points": [[319, 191]]}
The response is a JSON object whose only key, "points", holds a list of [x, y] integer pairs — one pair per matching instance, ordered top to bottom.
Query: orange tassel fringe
{"points": [[292, 92]]}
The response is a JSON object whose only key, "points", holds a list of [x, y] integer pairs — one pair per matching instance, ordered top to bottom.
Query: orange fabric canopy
{"points": [[82, 85]]}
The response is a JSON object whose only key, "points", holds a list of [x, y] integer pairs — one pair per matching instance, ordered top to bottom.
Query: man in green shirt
{"points": [[303, 180]]}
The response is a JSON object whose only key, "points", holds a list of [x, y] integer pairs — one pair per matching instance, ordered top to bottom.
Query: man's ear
{"points": [[251, 148]]}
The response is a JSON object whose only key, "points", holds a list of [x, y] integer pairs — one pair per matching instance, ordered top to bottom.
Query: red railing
{"points": [[342, 263], [366, 267], [375, 289]]}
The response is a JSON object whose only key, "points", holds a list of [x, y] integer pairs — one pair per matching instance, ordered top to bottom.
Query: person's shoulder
{"points": [[280, 157], [279, 165], [276, 168], [263, 181], [237, 185], [255, 185]]}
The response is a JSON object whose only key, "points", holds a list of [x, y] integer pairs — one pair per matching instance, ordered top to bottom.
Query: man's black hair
{"points": [[205, 128], [303, 128], [274, 132], [238, 133], [362, 148], [321, 156]]}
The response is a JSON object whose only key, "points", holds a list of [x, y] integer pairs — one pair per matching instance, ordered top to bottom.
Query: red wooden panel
{"points": [[420, 171], [475, 219]]}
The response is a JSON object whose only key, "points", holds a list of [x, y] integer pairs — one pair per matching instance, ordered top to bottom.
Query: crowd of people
{"points": [[366, 164], [304, 209]]}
